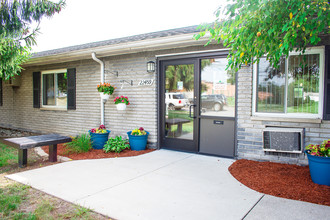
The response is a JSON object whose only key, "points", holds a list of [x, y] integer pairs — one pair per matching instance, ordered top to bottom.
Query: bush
{"points": [[81, 143], [117, 144]]}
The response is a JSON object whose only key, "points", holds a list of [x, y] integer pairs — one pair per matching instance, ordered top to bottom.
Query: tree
{"points": [[254, 28], [16, 34]]}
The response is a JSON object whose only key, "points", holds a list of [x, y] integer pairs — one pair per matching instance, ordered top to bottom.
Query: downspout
{"points": [[102, 81]]}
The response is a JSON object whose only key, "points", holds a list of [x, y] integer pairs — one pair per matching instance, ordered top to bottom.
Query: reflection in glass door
{"points": [[217, 88], [179, 100], [217, 108]]}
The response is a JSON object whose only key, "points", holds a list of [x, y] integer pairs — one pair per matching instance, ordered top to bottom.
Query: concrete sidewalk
{"points": [[163, 185]]}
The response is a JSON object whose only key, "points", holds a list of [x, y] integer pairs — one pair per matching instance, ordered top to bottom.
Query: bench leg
{"points": [[179, 130], [53, 153], [22, 158]]}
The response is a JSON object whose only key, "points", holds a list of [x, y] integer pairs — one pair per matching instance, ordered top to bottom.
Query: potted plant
{"points": [[105, 90], [121, 102], [99, 136], [138, 139], [319, 162]]}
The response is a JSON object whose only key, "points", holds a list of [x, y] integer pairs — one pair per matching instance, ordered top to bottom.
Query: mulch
{"points": [[97, 154], [281, 180]]}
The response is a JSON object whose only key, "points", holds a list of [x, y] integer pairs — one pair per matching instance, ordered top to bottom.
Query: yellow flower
{"points": [[291, 15], [303, 28], [280, 45], [241, 54]]}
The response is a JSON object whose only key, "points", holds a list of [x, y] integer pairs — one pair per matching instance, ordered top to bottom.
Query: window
{"points": [[54, 88], [293, 89]]}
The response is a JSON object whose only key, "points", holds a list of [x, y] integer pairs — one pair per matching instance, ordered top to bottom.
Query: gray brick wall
{"points": [[18, 111], [249, 128]]}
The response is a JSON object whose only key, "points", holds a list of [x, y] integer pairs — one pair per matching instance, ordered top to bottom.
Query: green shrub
{"points": [[81, 143], [117, 144]]}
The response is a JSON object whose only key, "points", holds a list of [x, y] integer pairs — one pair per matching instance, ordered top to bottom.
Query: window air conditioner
{"points": [[279, 139]]}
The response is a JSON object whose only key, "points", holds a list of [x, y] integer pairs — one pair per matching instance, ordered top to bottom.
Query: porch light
{"points": [[151, 67]]}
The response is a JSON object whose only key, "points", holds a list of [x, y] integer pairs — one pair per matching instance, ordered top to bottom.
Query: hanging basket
{"points": [[104, 96], [121, 106]]}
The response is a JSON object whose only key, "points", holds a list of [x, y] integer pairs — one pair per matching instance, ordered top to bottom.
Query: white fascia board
{"points": [[119, 49]]}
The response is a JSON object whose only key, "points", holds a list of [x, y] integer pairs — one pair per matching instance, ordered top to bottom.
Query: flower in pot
{"points": [[105, 90], [121, 102], [99, 136], [138, 139], [319, 162]]}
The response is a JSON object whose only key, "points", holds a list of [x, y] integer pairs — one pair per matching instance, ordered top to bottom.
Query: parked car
{"points": [[175, 101], [214, 102]]}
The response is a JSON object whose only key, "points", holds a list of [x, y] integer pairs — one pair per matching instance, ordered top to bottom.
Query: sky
{"points": [[86, 21]]}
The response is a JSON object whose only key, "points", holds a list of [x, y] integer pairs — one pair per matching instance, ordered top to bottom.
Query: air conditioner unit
{"points": [[13, 81], [279, 139]]}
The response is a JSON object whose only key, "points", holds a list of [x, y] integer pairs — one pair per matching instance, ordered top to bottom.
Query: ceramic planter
{"points": [[104, 96], [121, 106], [99, 139], [138, 142], [319, 168]]}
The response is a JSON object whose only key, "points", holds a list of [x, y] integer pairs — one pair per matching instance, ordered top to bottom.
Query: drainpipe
{"points": [[102, 81]]}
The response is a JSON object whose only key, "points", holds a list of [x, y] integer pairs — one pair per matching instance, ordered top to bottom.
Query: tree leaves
{"points": [[272, 27], [16, 35]]}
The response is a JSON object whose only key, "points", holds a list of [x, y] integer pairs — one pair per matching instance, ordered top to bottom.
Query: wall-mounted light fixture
{"points": [[151, 67]]}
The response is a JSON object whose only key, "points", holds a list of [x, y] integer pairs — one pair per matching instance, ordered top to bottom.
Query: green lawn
{"points": [[311, 108], [187, 127], [7, 155], [16, 199]]}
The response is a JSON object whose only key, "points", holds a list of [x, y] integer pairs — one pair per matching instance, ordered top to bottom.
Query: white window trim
{"points": [[311, 50], [51, 107]]}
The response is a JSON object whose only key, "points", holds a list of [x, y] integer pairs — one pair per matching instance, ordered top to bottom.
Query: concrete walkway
{"points": [[163, 185]]}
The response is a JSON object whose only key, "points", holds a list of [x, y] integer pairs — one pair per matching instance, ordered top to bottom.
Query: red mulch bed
{"points": [[97, 154], [281, 180]]}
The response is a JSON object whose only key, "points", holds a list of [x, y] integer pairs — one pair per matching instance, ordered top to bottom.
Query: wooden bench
{"points": [[175, 121], [25, 143]]}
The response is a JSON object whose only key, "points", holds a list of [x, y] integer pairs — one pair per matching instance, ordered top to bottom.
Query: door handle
{"points": [[190, 111]]}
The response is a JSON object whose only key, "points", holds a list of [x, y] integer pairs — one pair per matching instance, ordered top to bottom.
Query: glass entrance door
{"points": [[178, 103], [217, 108]]}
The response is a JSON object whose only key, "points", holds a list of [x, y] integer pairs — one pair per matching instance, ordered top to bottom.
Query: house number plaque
{"points": [[146, 82]]}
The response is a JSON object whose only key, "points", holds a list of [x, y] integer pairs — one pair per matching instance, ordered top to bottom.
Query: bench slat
{"points": [[36, 141]]}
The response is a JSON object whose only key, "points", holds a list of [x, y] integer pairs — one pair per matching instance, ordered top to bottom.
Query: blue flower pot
{"points": [[99, 139], [138, 142], [319, 168]]}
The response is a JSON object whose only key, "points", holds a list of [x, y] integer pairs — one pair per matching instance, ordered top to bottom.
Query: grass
{"points": [[310, 108], [187, 127], [7, 155], [10, 199], [18, 201]]}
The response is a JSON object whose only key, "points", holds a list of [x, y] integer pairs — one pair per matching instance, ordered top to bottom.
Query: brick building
{"points": [[271, 117]]}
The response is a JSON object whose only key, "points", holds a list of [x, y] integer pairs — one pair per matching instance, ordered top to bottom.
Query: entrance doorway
{"points": [[197, 105]]}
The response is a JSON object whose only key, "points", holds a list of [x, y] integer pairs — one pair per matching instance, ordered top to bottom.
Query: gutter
{"points": [[160, 43]]}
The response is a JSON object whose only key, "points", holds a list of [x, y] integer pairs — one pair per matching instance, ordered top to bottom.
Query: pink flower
{"points": [[122, 96], [126, 97], [122, 101]]}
